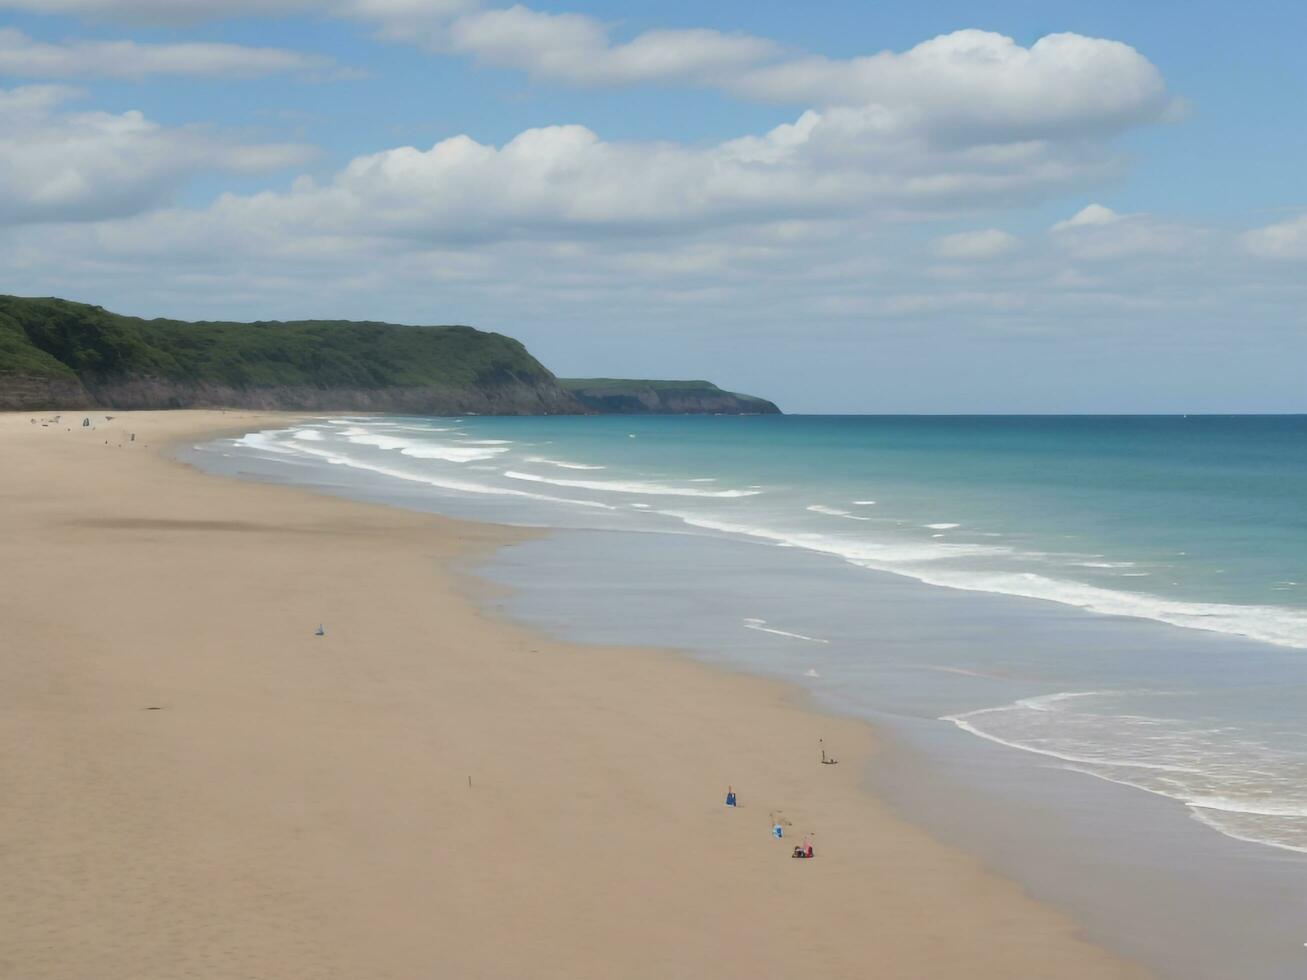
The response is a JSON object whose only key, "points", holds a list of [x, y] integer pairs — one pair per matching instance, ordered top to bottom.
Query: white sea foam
{"points": [[395, 427], [311, 435], [366, 438], [265, 442], [425, 449], [451, 454], [563, 463], [433, 480], [632, 486], [863, 503], [834, 512], [942, 527], [885, 555], [924, 562], [1271, 624], [761, 626], [1230, 778]]}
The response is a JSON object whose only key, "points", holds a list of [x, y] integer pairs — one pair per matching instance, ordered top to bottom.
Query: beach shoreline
{"points": [[201, 785]]}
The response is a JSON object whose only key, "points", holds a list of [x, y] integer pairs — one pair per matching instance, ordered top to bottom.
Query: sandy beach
{"points": [[195, 785]]}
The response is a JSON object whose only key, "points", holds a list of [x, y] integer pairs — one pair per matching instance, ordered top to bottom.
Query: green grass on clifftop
{"points": [[59, 338]]}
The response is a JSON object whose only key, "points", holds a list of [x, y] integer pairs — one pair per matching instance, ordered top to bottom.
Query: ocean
{"points": [[1062, 602]]}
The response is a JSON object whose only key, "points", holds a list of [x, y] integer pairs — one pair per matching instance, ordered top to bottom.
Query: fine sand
{"points": [[194, 785]]}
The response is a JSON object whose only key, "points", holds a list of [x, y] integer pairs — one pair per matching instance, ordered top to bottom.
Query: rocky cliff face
{"points": [[19, 393]]}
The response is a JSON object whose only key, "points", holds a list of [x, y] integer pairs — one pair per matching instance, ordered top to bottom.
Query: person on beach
{"points": [[730, 796], [777, 830]]}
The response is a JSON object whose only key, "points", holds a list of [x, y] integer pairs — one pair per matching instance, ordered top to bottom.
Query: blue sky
{"points": [[1020, 206]]}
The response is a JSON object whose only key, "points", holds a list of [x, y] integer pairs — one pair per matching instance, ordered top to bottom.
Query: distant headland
{"points": [[55, 353]]}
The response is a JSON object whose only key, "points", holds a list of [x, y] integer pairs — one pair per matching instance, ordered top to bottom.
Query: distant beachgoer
{"points": [[730, 796], [777, 830]]}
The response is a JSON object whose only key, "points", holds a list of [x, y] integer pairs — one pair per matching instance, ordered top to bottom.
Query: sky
{"points": [[1005, 206]]}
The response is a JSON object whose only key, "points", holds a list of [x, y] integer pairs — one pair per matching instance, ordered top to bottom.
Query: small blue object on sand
{"points": [[730, 798], [777, 831]]}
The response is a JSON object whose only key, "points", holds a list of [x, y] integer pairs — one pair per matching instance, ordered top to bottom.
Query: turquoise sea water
{"points": [[1199, 523]]}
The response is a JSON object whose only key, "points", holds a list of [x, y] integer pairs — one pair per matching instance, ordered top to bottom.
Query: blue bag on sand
{"points": [[730, 799], [777, 832]]}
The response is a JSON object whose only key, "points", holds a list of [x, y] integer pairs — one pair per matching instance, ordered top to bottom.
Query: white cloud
{"points": [[577, 49], [21, 56], [979, 78], [958, 85], [58, 165], [563, 182], [1093, 215], [1098, 233], [1285, 240], [990, 243]]}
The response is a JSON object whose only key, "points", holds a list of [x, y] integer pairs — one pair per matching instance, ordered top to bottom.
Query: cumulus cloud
{"points": [[577, 49], [21, 56], [982, 78], [965, 83], [60, 165], [564, 182], [1090, 216], [1097, 233], [1285, 240], [976, 245]]}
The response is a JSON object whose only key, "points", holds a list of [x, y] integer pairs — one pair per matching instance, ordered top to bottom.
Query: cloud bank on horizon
{"points": [[949, 194]]}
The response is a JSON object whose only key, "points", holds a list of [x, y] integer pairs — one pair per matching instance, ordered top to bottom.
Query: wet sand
{"points": [[196, 785]]}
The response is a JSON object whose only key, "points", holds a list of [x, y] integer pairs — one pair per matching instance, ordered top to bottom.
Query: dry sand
{"points": [[194, 785]]}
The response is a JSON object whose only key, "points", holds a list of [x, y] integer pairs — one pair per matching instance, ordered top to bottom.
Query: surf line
{"points": [[761, 626]]}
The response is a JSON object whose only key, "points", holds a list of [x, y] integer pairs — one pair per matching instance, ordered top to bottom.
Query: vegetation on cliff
{"points": [[58, 337], [56, 353], [628, 396]]}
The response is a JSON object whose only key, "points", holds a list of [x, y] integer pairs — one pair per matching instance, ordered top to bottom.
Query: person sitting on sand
{"points": [[730, 796], [777, 830]]}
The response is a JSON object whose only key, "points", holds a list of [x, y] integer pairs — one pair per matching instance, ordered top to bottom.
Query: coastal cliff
{"points": [[55, 353], [58, 354], [618, 396]]}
